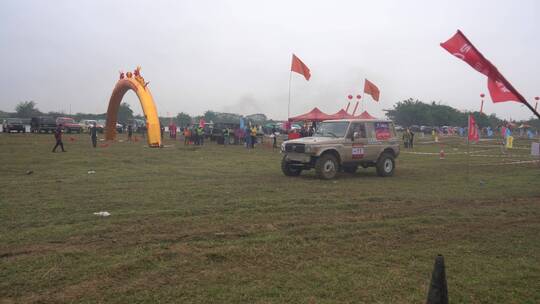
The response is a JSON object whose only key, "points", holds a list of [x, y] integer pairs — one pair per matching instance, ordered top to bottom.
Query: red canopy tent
{"points": [[341, 114], [313, 115], [365, 115]]}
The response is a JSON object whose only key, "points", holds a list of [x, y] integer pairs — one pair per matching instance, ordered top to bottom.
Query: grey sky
{"points": [[235, 55]]}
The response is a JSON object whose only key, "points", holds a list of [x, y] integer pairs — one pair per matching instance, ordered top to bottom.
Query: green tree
{"points": [[26, 109], [414, 112], [124, 113], [210, 116], [183, 119]]}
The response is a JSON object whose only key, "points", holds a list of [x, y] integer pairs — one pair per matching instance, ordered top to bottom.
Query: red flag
{"points": [[460, 47], [299, 67], [499, 88], [371, 89], [499, 92], [473, 130]]}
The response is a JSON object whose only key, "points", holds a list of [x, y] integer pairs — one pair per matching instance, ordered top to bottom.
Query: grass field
{"points": [[223, 225]]}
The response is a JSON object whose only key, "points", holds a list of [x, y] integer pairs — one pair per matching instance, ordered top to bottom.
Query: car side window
{"points": [[359, 128], [369, 130]]}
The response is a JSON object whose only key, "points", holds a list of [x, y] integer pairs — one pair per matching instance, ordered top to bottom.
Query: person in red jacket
{"points": [[58, 137]]}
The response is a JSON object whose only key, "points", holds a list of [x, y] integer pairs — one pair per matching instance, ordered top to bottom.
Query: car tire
{"points": [[386, 165], [327, 166], [350, 169], [289, 170]]}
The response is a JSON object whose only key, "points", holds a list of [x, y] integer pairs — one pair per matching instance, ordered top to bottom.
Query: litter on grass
{"points": [[102, 213]]}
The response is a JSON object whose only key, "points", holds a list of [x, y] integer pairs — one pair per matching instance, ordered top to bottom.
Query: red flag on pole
{"points": [[299, 67], [499, 88], [371, 89], [473, 130]]}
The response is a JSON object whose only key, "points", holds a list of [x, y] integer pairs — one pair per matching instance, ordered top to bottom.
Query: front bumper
{"points": [[298, 157]]}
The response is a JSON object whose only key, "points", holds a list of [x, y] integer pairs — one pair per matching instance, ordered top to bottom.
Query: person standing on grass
{"points": [[162, 129], [143, 130], [130, 132], [226, 133], [93, 135], [187, 135], [200, 135], [253, 136], [58, 137], [247, 137], [406, 137], [274, 138], [411, 139]]}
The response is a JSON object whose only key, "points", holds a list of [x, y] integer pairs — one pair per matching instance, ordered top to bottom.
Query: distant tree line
{"points": [[414, 112]]}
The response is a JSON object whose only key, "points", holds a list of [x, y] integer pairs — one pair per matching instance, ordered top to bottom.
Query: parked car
{"points": [[88, 123], [13, 124], [42, 124], [69, 124], [137, 124], [119, 127], [415, 128], [426, 129], [343, 144]]}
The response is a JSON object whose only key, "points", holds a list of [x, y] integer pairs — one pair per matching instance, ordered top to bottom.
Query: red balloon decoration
{"points": [[482, 95], [350, 96], [358, 96]]}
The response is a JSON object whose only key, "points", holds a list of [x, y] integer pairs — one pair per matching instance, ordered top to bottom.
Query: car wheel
{"points": [[386, 165], [326, 166], [350, 169], [289, 170]]}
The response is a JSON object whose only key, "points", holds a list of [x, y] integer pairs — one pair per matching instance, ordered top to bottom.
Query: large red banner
{"points": [[499, 88]]}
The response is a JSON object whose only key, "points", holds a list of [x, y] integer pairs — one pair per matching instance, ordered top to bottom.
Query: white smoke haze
{"points": [[235, 55]]}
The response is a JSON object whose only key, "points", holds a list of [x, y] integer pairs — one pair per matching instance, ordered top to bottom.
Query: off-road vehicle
{"points": [[13, 124], [42, 124], [69, 124], [343, 145]]}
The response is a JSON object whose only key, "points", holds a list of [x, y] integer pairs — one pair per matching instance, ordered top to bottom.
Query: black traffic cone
{"points": [[438, 290]]}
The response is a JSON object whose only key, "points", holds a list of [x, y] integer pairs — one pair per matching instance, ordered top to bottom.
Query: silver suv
{"points": [[344, 145]]}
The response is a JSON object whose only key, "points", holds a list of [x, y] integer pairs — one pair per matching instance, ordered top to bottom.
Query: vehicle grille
{"points": [[298, 148]]}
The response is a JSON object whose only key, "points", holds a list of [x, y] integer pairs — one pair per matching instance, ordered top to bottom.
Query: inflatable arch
{"points": [[134, 81]]}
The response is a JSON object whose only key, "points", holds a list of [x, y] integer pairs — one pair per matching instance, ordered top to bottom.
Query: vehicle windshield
{"points": [[14, 120], [332, 129]]}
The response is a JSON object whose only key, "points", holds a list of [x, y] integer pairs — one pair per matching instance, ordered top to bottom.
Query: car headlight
{"points": [[283, 147], [308, 149]]}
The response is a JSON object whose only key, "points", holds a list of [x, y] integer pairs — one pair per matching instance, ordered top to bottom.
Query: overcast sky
{"points": [[235, 56]]}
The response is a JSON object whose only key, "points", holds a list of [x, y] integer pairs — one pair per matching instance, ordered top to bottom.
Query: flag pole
{"points": [[289, 104], [468, 145]]}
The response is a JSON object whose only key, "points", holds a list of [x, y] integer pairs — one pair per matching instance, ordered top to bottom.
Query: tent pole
{"points": [[289, 104]]}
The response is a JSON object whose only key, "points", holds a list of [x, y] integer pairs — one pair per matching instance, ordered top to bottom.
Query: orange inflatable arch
{"points": [[136, 83]]}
